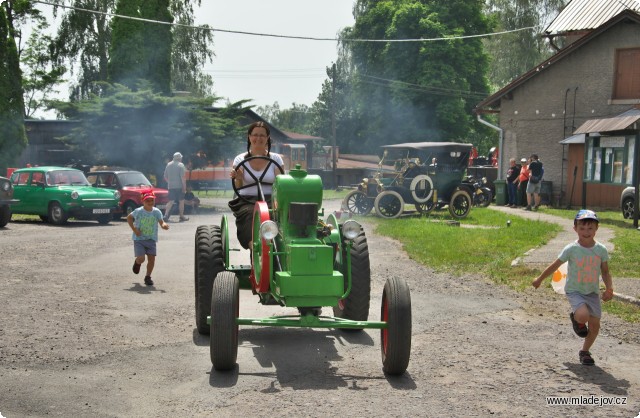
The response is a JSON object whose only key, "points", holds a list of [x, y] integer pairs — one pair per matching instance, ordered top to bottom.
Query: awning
{"points": [[616, 123], [574, 139]]}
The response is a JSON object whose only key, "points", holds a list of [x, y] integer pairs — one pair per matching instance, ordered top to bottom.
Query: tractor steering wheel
{"points": [[258, 182]]}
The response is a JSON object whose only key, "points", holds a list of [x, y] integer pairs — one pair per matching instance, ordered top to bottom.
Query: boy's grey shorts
{"points": [[144, 246], [592, 300]]}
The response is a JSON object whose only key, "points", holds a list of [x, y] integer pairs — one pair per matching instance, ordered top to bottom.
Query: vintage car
{"points": [[427, 175], [130, 184], [59, 193], [6, 200]]}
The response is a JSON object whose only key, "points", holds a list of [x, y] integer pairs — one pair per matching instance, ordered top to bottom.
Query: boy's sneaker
{"points": [[136, 268], [148, 281], [581, 330], [585, 358]]}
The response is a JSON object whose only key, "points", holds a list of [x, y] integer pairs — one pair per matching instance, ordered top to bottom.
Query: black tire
{"points": [[485, 198], [358, 203], [389, 204], [460, 204], [628, 206], [426, 207], [128, 208], [5, 215], [57, 215], [44, 218], [104, 219], [208, 262], [356, 305], [225, 306], [395, 340]]}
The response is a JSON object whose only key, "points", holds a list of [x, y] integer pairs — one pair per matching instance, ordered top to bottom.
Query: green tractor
{"points": [[299, 261]]}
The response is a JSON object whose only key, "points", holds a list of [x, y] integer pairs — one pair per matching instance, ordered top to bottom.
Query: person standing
{"points": [[536, 171], [175, 176], [512, 177], [523, 180], [144, 222], [587, 260]]}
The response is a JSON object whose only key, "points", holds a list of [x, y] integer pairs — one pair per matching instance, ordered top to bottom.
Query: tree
{"points": [[84, 38], [141, 50], [515, 53], [40, 75], [410, 91], [143, 128], [12, 134]]}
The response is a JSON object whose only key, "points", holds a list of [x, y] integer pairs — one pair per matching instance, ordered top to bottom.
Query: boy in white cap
{"points": [[175, 176], [586, 260]]}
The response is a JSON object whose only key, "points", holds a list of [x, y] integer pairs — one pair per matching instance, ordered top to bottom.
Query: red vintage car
{"points": [[130, 184]]}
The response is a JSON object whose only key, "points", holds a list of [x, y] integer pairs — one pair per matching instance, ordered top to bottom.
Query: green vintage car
{"points": [[59, 193]]}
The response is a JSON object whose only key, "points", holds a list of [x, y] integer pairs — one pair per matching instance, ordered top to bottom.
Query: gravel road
{"points": [[81, 336]]}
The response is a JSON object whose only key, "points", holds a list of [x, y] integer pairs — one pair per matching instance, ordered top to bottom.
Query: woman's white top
{"points": [[269, 176]]}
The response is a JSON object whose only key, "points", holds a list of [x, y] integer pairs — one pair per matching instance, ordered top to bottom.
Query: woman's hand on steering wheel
{"points": [[241, 167]]}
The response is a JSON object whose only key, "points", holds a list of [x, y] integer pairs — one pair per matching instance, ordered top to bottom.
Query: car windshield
{"points": [[66, 178], [133, 179]]}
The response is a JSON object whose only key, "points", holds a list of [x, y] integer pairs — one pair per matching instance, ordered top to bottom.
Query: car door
{"points": [[21, 191], [38, 196]]}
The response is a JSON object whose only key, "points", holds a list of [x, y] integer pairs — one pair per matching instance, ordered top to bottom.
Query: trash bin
{"points": [[501, 192], [545, 192]]}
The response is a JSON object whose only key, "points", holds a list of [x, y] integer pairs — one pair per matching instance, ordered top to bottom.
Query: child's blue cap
{"points": [[586, 214]]}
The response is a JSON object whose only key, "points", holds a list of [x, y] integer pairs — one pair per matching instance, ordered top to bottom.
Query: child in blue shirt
{"points": [[144, 221], [586, 259]]}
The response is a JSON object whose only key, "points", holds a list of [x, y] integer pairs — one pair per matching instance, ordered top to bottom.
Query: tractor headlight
{"points": [[74, 195], [351, 229], [268, 230]]}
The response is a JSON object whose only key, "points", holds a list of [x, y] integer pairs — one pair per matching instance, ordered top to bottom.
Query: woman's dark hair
{"points": [[259, 124]]}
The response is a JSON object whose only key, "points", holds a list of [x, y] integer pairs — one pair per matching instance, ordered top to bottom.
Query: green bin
{"points": [[501, 192]]}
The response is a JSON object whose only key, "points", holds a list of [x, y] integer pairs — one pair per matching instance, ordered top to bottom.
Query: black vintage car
{"points": [[427, 175], [6, 200]]}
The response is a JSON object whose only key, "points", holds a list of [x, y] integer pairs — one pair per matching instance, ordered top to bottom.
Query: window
{"points": [[627, 75], [609, 159], [37, 179]]}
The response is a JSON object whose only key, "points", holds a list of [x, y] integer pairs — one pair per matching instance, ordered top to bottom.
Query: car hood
{"points": [[88, 192]]}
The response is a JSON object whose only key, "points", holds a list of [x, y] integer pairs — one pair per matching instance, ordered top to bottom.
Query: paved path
{"points": [[625, 288]]}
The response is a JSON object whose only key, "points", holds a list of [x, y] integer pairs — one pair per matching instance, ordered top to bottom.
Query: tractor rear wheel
{"points": [[207, 264], [356, 305], [225, 307], [395, 339]]}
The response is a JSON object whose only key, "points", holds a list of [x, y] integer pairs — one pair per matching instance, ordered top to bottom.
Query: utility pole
{"points": [[333, 128]]}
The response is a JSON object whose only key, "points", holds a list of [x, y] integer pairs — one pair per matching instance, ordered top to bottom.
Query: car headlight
{"points": [[484, 180], [74, 195], [116, 195], [351, 229], [268, 230]]}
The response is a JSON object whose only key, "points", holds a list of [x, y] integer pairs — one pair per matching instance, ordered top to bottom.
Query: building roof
{"points": [[581, 15], [493, 101], [617, 123], [298, 136]]}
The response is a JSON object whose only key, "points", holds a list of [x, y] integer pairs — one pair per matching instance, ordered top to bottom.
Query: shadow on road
{"points": [[597, 376]]}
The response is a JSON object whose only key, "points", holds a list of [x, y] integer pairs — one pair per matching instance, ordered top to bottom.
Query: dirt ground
{"points": [[80, 335]]}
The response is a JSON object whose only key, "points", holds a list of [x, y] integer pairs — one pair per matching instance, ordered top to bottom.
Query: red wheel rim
{"points": [[262, 210]]}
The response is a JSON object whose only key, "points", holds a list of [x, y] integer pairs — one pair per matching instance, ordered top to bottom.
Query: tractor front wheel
{"points": [[207, 264], [356, 305], [225, 307], [395, 339]]}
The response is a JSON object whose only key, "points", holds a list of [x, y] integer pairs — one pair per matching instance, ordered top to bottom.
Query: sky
{"points": [[268, 69]]}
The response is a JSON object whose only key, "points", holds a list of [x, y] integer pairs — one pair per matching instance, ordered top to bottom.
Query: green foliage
{"points": [[41, 76], [296, 119], [142, 129], [12, 134]]}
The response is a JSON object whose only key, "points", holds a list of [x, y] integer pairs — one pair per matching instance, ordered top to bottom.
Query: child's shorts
{"points": [[144, 246], [592, 300]]}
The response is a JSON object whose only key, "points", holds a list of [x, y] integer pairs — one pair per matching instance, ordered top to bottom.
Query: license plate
{"points": [[102, 211]]}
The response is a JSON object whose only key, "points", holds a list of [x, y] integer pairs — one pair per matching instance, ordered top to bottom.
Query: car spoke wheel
{"points": [[358, 203], [389, 204], [460, 204], [425, 207], [57, 215], [208, 263], [225, 307], [395, 339]]}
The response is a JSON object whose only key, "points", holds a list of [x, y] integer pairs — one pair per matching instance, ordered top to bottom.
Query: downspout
{"points": [[500, 143]]}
